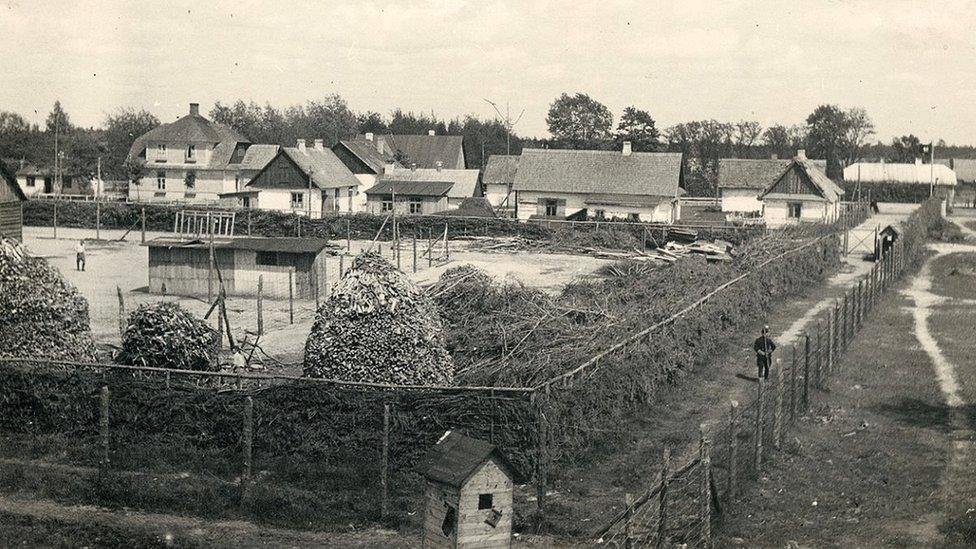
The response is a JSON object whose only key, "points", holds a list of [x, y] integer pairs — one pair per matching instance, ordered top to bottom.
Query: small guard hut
{"points": [[886, 240], [469, 494]]}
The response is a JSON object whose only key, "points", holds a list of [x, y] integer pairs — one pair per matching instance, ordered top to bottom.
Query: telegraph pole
{"points": [[507, 122]]}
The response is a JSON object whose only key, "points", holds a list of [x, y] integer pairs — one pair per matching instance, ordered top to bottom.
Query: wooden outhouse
{"points": [[11, 205], [886, 239], [469, 493]]}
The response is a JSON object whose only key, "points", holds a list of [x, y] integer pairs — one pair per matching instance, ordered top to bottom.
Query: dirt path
{"points": [[172, 530]]}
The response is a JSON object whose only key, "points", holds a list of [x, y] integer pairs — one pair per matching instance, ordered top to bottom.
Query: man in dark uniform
{"points": [[764, 348]]}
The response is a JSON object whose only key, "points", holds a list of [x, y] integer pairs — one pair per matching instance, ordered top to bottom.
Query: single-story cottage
{"points": [[367, 159], [498, 179], [741, 180], [464, 183], [639, 186], [801, 193], [408, 197], [12, 199], [182, 266]]}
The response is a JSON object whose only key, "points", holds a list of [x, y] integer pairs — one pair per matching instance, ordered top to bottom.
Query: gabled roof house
{"points": [[422, 151], [498, 179], [741, 180], [639, 186], [801, 193]]}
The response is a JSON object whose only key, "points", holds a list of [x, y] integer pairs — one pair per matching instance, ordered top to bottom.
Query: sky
{"points": [[911, 64]]}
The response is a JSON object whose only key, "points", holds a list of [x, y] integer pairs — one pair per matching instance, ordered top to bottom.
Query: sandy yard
{"points": [[124, 264]]}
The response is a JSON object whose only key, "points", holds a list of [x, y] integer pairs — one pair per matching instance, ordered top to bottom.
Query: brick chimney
{"points": [[194, 109], [431, 132], [369, 136], [301, 145], [319, 145], [627, 149], [801, 154], [439, 165], [413, 166]]}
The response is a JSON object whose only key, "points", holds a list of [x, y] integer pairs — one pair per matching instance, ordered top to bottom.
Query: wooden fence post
{"points": [[142, 218], [55, 219], [98, 220], [248, 222], [348, 237], [430, 248], [415, 251], [210, 263], [342, 265], [291, 295], [260, 305], [121, 311], [220, 321], [831, 328], [844, 331], [819, 353], [793, 367], [806, 372], [778, 409], [760, 423], [103, 430], [248, 445], [542, 453], [385, 472], [705, 489], [730, 490], [662, 513], [628, 520]]}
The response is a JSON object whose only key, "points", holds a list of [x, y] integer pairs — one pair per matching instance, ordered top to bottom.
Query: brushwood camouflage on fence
{"points": [[124, 216]]}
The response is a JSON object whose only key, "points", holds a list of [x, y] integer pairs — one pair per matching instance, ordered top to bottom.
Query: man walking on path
{"points": [[80, 256], [764, 348]]}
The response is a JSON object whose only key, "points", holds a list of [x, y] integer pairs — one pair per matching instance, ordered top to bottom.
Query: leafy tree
{"points": [[58, 119], [578, 120], [370, 121], [408, 123], [638, 127], [858, 128], [120, 130], [747, 134], [826, 136], [905, 149]]}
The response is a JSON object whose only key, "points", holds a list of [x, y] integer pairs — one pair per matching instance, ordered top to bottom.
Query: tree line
{"points": [[576, 121]]}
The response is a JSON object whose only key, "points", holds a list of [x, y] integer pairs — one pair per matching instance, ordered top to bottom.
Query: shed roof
{"points": [[426, 150], [367, 152], [501, 169], [599, 172], [882, 172], [465, 182], [411, 188], [258, 244], [455, 457]]}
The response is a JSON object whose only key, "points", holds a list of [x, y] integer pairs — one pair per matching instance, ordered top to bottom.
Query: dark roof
{"points": [[192, 128], [426, 150], [366, 152], [257, 156], [323, 165], [501, 169], [599, 172], [758, 174], [11, 182], [465, 182], [411, 188], [827, 188], [474, 206], [259, 244], [455, 457]]}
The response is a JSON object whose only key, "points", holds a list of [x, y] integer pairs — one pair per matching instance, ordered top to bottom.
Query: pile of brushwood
{"points": [[42, 315], [378, 326], [165, 335]]}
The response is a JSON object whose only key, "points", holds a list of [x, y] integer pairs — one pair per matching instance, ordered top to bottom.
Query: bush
{"points": [[43, 315], [378, 326], [165, 335]]}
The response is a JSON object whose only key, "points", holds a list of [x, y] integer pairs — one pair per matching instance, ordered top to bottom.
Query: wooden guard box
{"points": [[469, 494]]}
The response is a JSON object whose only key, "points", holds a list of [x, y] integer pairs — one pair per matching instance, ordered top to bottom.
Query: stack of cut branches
{"points": [[165, 335]]}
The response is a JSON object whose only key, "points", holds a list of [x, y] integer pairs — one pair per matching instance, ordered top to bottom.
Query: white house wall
{"points": [[496, 193], [280, 200], [741, 200], [528, 205], [775, 212]]}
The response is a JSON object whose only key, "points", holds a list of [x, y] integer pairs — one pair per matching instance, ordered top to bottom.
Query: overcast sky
{"points": [[911, 64]]}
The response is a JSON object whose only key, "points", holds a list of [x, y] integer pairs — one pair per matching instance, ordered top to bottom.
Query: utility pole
{"points": [[507, 121], [931, 169], [98, 183]]}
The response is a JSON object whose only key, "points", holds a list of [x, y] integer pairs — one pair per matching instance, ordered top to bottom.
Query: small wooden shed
{"points": [[11, 205], [886, 239], [469, 494]]}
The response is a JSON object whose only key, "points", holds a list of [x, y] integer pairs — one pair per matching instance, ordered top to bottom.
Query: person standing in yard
{"points": [[80, 256], [764, 348]]}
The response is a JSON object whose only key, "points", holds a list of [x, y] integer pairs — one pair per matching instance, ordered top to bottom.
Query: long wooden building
{"points": [[12, 199]]}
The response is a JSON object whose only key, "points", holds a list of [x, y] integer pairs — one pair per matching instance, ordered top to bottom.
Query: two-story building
{"points": [[368, 159], [195, 160]]}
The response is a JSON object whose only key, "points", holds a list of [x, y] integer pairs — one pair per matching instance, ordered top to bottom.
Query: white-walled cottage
{"points": [[742, 180], [801, 193]]}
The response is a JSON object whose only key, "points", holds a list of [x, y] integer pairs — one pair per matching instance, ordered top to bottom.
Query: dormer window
{"points": [[161, 152], [191, 153]]}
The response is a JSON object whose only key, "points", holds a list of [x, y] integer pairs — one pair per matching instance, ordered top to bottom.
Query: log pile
{"points": [[43, 315], [378, 326], [165, 335]]}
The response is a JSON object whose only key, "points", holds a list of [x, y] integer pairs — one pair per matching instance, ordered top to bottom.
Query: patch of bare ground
{"points": [[864, 467]]}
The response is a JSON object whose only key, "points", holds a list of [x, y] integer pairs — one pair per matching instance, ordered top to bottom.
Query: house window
{"points": [[161, 152], [191, 153], [190, 180], [30, 181], [161, 181], [237, 182], [297, 200], [246, 202], [387, 206], [416, 207], [552, 207], [793, 210], [600, 214], [633, 217], [266, 258], [484, 501], [450, 522]]}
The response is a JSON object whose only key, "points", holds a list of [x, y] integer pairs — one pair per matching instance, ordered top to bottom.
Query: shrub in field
{"points": [[41, 315], [378, 326], [165, 335]]}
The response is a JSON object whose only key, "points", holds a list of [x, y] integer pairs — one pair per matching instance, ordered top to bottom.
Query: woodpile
{"points": [[718, 250], [43, 315], [378, 326], [165, 335]]}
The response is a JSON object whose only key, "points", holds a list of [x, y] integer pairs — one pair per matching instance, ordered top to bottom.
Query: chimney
{"points": [[194, 109], [431, 132], [369, 136], [301, 145], [319, 146], [627, 149], [801, 154], [774, 156], [439, 165], [413, 166]]}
